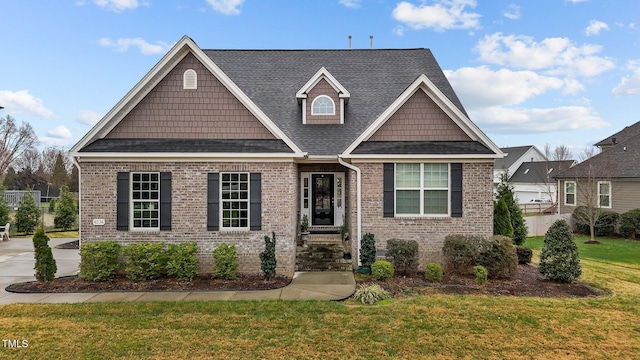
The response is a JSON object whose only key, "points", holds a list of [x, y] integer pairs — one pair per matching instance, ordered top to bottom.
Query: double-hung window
{"points": [[422, 189], [570, 193], [604, 194], [234, 197], [145, 200]]}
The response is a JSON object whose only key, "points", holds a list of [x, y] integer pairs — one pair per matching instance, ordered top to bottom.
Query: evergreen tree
{"points": [[59, 174], [10, 179], [505, 191], [4, 208], [65, 210], [28, 214], [502, 219], [559, 258], [268, 260], [45, 263]]}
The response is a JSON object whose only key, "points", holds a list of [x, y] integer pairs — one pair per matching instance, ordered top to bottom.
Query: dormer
{"points": [[323, 99]]}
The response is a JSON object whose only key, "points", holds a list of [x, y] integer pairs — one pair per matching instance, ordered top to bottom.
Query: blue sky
{"points": [[557, 72]]}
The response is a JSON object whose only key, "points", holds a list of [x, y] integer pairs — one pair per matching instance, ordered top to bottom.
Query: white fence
{"points": [[14, 197], [538, 225]]}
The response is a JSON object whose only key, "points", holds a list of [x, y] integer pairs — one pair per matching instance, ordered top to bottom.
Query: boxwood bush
{"points": [[629, 223], [403, 254], [497, 254], [524, 255], [559, 258], [99, 260], [145, 261], [225, 261], [182, 262], [382, 270], [433, 272]]}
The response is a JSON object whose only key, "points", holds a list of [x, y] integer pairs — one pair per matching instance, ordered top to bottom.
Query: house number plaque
{"points": [[98, 222]]}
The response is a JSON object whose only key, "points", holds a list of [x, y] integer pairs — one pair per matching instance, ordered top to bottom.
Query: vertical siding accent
{"points": [[388, 185], [456, 190], [122, 196], [165, 201], [213, 201], [255, 201]]}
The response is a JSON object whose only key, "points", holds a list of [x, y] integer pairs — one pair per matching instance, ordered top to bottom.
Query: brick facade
{"points": [[208, 112], [419, 119], [189, 209], [429, 232]]}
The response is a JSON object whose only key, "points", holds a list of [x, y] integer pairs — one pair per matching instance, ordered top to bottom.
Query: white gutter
{"points": [[77, 165], [358, 201]]}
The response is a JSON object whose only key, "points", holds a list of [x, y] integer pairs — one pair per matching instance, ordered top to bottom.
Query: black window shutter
{"points": [[388, 184], [456, 190], [122, 200], [165, 201], [213, 201], [255, 205]]}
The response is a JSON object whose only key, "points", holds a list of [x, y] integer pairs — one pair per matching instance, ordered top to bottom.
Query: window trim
{"points": [[190, 80], [333, 104], [608, 183], [575, 188], [422, 190], [132, 210], [222, 227]]}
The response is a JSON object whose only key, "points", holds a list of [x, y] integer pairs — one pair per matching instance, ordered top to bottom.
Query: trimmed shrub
{"points": [[52, 206], [65, 211], [502, 219], [629, 223], [605, 225], [368, 250], [403, 254], [497, 254], [524, 255], [559, 259], [99, 260], [268, 260], [145, 261], [226, 261], [182, 262], [45, 263], [382, 270], [433, 272], [481, 274], [371, 294]]}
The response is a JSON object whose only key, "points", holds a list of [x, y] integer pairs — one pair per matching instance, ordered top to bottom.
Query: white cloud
{"points": [[576, 1], [354, 4], [117, 5], [226, 7], [512, 12], [442, 15], [595, 27], [398, 30], [123, 44], [556, 56], [629, 85], [481, 87], [23, 102], [88, 117], [504, 120], [60, 132]]}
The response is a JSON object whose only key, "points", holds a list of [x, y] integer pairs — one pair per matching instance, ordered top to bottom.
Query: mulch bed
{"points": [[71, 245], [527, 281], [68, 284]]}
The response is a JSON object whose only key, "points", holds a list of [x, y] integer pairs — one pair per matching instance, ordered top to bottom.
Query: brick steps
{"points": [[324, 252]]}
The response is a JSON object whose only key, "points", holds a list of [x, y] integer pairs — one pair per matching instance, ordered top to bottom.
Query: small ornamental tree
{"points": [[505, 191], [65, 210], [28, 215], [502, 219], [368, 250], [559, 258], [268, 261], [45, 263]]}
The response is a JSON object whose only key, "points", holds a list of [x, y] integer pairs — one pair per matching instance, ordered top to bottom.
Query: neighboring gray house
{"points": [[226, 146], [515, 156], [610, 179], [534, 181]]}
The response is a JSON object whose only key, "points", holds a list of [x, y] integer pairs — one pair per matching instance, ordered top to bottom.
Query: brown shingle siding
{"points": [[323, 88], [211, 111], [419, 119]]}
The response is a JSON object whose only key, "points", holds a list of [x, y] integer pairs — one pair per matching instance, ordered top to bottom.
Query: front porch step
{"points": [[322, 257]]}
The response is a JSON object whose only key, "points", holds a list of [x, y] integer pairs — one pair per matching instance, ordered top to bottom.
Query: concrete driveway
{"points": [[17, 261]]}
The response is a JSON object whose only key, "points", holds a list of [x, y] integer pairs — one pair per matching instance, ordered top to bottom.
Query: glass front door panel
{"points": [[322, 200]]}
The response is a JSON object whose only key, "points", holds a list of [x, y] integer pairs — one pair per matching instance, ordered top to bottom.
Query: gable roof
{"points": [[323, 74], [629, 132], [513, 155], [538, 172]]}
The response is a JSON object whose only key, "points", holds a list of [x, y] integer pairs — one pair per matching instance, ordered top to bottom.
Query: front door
{"points": [[322, 201]]}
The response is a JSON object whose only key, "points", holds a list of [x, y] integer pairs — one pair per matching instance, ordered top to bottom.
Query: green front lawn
{"points": [[610, 249], [430, 326]]}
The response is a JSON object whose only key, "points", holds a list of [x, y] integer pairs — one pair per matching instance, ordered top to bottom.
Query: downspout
{"points": [[77, 165], [358, 201]]}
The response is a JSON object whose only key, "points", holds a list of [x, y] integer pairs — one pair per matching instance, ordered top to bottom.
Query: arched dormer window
{"points": [[190, 80], [323, 105]]}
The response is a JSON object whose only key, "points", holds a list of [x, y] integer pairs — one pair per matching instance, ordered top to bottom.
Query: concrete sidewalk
{"points": [[16, 265]]}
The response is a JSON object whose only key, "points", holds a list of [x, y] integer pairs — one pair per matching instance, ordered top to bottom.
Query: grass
{"points": [[610, 249], [435, 326]]}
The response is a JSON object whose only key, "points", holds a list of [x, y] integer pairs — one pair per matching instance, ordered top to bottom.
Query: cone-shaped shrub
{"points": [[502, 219], [559, 259], [45, 263]]}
